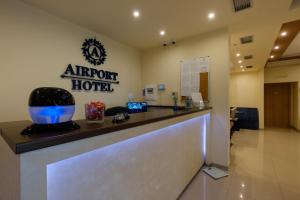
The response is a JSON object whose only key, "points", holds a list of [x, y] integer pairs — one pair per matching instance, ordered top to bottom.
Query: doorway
{"points": [[278, 104]]}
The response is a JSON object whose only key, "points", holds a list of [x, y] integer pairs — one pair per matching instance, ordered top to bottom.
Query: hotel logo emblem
{"points": [[93, 51]]}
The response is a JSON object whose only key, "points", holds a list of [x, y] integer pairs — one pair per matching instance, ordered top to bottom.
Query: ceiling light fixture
{"points": [[136, 13], [211, 15], [162, 32], [284, 33], [276, 47], [238, 55], [272, 56], [240, 61], [241, 66]]}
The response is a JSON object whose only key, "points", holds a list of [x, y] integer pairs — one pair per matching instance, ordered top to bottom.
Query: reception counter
{"points": [[153, 155]]}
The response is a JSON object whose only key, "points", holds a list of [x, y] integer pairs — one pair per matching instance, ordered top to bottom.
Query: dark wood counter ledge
{"points": [[10, 131]]}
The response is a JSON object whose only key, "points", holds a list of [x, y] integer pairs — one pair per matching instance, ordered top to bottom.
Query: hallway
{"points": [[265, 165]]}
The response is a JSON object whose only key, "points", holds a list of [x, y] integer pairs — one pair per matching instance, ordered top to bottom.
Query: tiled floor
{"points": [[265, 165]]}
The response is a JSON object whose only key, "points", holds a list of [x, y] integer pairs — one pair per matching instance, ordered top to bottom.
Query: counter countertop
{"points": [[10, 131]]}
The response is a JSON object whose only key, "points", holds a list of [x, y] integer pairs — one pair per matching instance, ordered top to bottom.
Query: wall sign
{"points": [[90, 79]]}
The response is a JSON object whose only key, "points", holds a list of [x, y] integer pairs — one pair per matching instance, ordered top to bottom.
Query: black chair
{"points": [[247, 118]]}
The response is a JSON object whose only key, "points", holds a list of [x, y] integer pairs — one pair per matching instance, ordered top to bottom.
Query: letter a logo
{"points": [[95, 53]]}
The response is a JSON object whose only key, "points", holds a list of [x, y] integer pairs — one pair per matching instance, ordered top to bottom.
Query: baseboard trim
{"points": [[295, 129], [185, 188]]}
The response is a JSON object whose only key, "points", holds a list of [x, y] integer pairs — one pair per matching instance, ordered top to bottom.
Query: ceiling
{"points": [[114, 18], [180, 19], [264, 24], [294, 48], [288, 51]]}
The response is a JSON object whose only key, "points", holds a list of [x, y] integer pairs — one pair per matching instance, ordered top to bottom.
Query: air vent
{"points": [[295, 4], [241, 5], [246, 39], [248, 57], [249, 67]]}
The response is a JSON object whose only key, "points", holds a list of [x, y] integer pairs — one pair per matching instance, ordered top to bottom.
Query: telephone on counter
{"points": [[118, 113], [120, 117]]}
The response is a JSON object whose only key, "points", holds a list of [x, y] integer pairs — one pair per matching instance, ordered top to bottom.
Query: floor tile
{"points": [[265, 165]]}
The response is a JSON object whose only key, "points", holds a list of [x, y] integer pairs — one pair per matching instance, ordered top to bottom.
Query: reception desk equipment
{"points": [[153, 155]]}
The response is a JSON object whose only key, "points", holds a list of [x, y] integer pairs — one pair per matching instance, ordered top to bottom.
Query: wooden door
{"points": [[204, 85], [277, 104]]}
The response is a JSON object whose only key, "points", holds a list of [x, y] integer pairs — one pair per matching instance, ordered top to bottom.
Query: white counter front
{"points": [[150, 162]]}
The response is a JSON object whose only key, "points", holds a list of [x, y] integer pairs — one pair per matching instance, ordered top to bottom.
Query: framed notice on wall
{"points": [[194, 77]]}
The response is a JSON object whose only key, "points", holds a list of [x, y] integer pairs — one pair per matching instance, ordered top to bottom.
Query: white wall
{"points": [[36, 48], [162, 65], [285, 74], [246, 90]]}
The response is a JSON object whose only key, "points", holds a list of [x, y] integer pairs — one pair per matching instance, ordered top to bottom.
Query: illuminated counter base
{"points": [[152, 161]]}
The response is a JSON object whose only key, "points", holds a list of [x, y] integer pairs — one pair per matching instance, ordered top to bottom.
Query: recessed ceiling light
{"points": [[136, 13], [211, 15], [162, 32], [284, 33], [276, 47], [238, 55], [271, 56], [240, 61], [241, 66]]}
